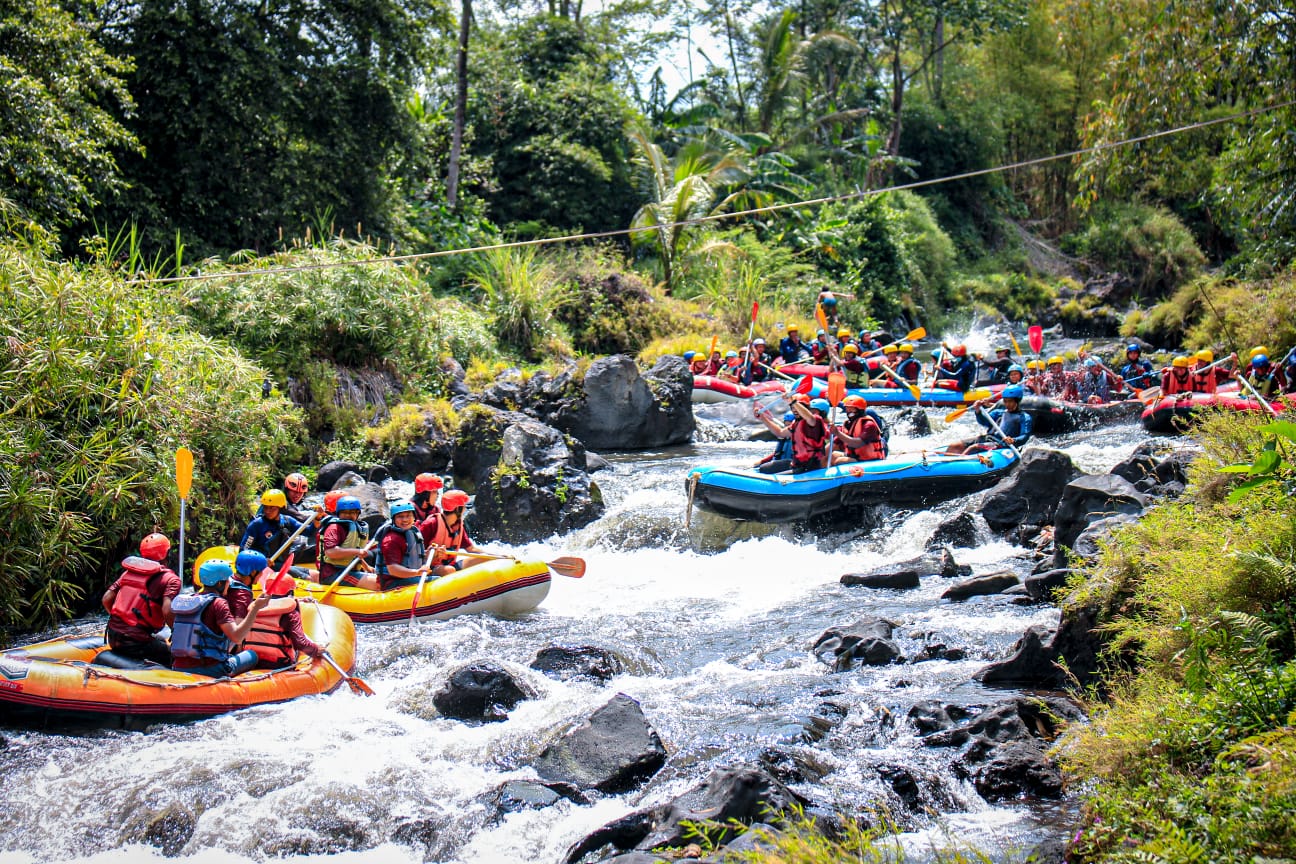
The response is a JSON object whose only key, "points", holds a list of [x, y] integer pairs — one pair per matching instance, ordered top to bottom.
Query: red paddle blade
{"points": [[755, 309], [1036, 337], [804, 385], [287, 563]]}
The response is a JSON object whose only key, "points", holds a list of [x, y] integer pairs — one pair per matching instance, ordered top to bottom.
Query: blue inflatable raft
{"points": [[930, 396], [909, 479]]}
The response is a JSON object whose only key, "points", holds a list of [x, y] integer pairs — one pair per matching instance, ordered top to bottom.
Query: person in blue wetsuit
{"points": [[792, 349], [1136, 372], [959, 374], [1015, 423]]}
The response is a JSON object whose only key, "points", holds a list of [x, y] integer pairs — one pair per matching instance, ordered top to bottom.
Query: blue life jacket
{"points": [[1137, 374], [1017, 425], [783, 449], [414, 550], [190, 637]]}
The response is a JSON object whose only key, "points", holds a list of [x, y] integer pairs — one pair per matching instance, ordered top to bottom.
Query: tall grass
{"points": [[521, 294], [99, 384]]}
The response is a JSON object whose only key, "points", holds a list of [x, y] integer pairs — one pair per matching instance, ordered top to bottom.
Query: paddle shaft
{"points": [[751, 334], [913, 334], [782, 375], [903, 382], [1250, 389], [994, 427], [300, 528], [567, 566], [337, 580], [356, 685]]}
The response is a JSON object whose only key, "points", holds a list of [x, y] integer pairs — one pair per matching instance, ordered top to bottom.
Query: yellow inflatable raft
{"points": [[495, 587], [506, 587], [63, 682]]}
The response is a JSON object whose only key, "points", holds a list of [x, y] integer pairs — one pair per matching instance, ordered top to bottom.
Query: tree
{"points": [[460, 104], [258, 117], [58, 133]]}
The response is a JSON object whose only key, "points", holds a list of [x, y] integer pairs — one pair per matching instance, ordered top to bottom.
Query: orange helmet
{"points": [[959, 350], [803, 398], [854, 401], [426, 482], [296, 483], [331, 499], [454, 499], [155, 547]]}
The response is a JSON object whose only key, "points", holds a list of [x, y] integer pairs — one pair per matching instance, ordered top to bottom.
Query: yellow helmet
{"points": [[792, 326], [844, 334], [905, 346], [851, 348], [889, 349], [1259, 349], [1206, 355], [1056, 358], [1181, 362], [1034, 364], [274, 498]]}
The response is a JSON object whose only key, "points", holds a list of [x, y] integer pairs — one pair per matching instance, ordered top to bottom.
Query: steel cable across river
{"points": [[714, 646]]}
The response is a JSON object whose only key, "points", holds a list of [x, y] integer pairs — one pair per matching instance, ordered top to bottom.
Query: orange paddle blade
{"points": [[821, 316], [804, 385], [836, 388], [955, 414], [184, 471], [573, 567]]}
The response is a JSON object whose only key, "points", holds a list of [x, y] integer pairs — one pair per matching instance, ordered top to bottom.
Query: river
{"points": [[717, 651]]}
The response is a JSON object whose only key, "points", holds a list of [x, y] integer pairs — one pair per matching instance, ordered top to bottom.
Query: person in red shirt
{"points": [[427, 487], [446, 532], [343, 538], [400, 558], [139, 603], [204, 635], [277, 636]]}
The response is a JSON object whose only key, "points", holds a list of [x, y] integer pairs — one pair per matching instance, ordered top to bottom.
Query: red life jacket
{"points": [[1204, 382], [1172, 384], [807, 443], [869, 450], [436, 533], [135, 604], [269, 634]]}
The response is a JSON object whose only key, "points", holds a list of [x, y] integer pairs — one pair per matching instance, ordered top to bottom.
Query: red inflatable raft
{"points": [[1174, 413]]}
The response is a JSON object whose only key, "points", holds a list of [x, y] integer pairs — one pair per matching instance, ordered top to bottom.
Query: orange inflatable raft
{"points": [[77, 681]]}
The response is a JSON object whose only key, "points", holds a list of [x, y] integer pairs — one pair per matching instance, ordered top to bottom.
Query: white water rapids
{"points": [[717, 651]]}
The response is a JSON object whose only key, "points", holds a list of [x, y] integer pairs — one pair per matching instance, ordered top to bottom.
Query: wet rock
{"points": [[454, 375], [623, 410], [914, 421], [478, 442], [595, 462], [1139, 465], [330, 472], [377, 474], [538, 487], [1030, 495], [373, 499], [1087, 500], [959, 531], [1087, 546], [949, 568], [885, 578], [990, 583], [1041, 586], [868, 641], [1081, 645], [938, 651], [586, 661], [1032, 662], [480, 692], [930, 716], [828, 717], [613, 751], [791, 766], [1017, 769], [903, 784], [517, 795], [729, 799], [170, 828], [431, 834], [756, 839], [1050, 851], [634, 858]]}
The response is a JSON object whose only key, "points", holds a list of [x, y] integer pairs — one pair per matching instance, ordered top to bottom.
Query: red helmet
{"points": [[959, 350], [854, 401], [296, 483], [427, 483], [331, 499], [454, 499], [155, 547], [275, 585]]}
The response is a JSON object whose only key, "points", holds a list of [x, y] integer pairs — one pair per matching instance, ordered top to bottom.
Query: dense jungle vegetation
{"points": [[240, 142]]}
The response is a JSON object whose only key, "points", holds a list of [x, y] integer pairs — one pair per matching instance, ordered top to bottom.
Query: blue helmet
{"points": [[1135, 348], [689, 355], [1260, 360], [1090, 363], [1016, 368], [1014, 391], [820, 405], [789, 417], [347, 502], [402, 507], [250, 562], [214, 572]]}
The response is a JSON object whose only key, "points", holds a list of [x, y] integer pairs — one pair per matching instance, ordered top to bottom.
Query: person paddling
{"points": [[1136, 372], [1177, 377], [1015, 423], [808, 432], [860, 437], [781, 459], [267, 532], [447, 532], [343, 538], [400, 557], [138, 603], [205, 636], [277, 636]]}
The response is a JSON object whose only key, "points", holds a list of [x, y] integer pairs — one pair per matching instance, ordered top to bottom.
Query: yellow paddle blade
{"points": [[919, 333], [974, 395], [955, 414], [184, 471], [215, 553]]}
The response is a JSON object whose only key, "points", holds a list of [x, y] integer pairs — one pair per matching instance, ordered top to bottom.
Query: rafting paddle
{"points": [[751, 334], [911, 336], [1035, 336], [1016, 347], [1241, 379], [903, 382], [836, 393], [994, 427], [184, 481], [300, 528], [567, 566], [423, 574], [337, 580], [357, 686]]}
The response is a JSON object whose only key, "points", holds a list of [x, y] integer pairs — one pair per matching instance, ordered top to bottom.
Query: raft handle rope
{"points": [[859, 194]]}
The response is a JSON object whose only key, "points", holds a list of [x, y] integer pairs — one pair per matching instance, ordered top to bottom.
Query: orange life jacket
{"points": [[1204, 382], [1172, 384], [807, 443], [869, 450], [442, 536], [135, 605], [269, 634]]}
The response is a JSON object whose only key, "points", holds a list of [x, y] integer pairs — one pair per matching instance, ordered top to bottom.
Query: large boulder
{"points": [[623, 410], [478, 442], [430, 452], [330, 472], [538, 487], [1030, 495], [373, 498], [1088, 499], [960, 531], [1087, 546], [867, 641], [1073, 656], [1033, 662], [480, 693], [613, 751], [1020, 768], [729, 799]]}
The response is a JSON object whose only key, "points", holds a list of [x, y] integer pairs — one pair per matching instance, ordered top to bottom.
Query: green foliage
{"points": [[60, 90], [1148, 244], [522, 295], [1014, 295], [608, 309], [1224, 312], [100, 382], [408, 424], [1203, 592]]}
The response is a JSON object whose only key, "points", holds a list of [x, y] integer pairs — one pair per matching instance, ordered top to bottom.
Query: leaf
{"points": [[1285, 428], [1266, 463], [1244, 489]]}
